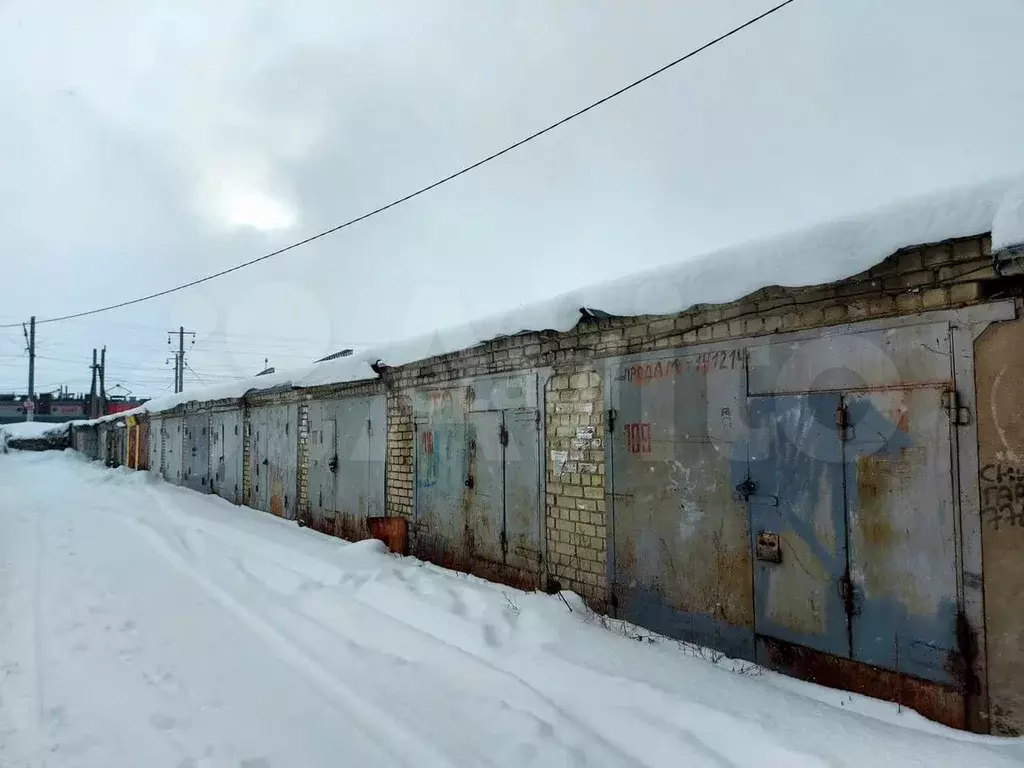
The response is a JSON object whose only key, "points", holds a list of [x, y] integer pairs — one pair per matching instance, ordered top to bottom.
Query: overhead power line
{"points": [[427, 188], [196, 375]]}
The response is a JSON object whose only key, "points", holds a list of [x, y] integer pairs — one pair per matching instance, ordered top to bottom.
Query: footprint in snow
{"points": [[458, 607], [491, 638], [163, 681], [58, 716], [162, 722], [527, 754]]}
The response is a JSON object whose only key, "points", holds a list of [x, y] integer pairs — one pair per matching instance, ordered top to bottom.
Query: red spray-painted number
{"points": [[638, 438], [428, 443]]}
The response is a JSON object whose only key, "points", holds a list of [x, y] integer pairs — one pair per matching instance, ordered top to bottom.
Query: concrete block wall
{"points": [[400, 475], [576, 522]]}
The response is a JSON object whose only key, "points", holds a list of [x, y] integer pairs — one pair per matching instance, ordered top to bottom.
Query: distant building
{"points": [[56, 408]]}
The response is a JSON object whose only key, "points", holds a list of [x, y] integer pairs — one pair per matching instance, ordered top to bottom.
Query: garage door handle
{"points": [[264, 462], [746, 489]]}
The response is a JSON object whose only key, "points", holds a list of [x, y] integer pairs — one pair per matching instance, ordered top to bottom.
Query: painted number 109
{"points": [[638, 437]]}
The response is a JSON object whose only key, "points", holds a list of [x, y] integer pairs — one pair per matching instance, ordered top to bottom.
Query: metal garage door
{"points": [[173, 442], [196, 456], [274, 457], [226, 459], [346, 463], [477, 498], [851, 504], [681, 562]]}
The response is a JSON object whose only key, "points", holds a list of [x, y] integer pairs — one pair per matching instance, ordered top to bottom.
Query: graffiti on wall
{"points": [[721, 360], [638, 437], [427, 475], [1002, 495]]}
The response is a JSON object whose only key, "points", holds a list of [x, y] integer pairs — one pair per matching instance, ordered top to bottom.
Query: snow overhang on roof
{"points": [[1008, 232], [824, 253]]}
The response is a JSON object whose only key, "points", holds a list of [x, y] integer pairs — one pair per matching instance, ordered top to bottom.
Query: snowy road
{"points": [[144, 625]]}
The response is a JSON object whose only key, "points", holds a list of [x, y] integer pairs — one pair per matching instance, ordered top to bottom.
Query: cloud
{"points": [[150, 143]]}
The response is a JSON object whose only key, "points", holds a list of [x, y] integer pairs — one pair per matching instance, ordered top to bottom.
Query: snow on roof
{"points": [[821, 254], [28, 430]]}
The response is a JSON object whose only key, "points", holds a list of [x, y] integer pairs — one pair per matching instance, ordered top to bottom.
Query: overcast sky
{"points": [[148, 143]]}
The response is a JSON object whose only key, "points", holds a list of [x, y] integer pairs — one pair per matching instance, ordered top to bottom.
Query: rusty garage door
{"points": [[173, 441], [196, 454], [226, 459], [274, 459], [346, 464], [440, 476], [478, 477], [899, 481], [850, 492], [798, 520], [680, 559]]}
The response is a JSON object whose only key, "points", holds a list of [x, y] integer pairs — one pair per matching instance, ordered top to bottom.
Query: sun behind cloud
{"points": [[257, 209]]}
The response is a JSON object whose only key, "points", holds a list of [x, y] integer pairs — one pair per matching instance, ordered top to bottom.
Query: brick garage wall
{"points": [[934, 277], [400, 472], [576, 523]]}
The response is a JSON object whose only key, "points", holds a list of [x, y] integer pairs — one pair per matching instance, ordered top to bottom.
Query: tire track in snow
{"points": [[172, 515], [561, 712], [587, 731], [410, 749]]}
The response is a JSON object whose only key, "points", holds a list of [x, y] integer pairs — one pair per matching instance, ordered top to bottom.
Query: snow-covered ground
{"points": [[144, 625]]}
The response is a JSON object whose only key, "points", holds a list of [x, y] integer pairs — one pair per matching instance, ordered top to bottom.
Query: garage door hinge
{"points": [[612, 413], [958, 414], [842, 422], [503, 435], [504, 543]]}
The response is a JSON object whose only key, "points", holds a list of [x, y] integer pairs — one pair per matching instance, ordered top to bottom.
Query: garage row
{"points": [[839, 502]]}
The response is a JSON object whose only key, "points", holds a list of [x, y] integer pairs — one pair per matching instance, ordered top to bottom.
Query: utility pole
{"points": [[30, 338], [179, 356], [103, 377], [92, 390]]}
